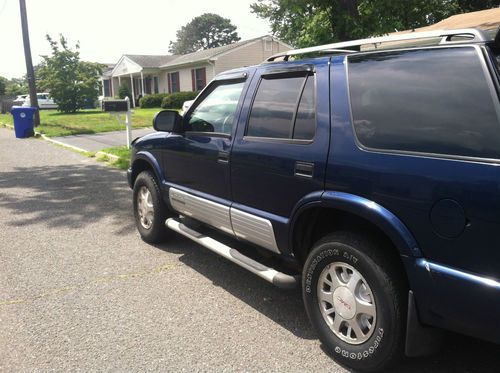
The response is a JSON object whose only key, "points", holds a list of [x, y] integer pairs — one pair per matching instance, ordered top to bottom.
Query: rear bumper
{"points": [[456, 300]]}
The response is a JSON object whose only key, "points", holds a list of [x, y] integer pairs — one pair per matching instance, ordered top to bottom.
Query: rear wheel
{"points": [[149, 209], [355, 298]]}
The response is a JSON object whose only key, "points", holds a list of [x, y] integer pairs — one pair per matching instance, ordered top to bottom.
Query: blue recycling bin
{"points": [[23, 120]]}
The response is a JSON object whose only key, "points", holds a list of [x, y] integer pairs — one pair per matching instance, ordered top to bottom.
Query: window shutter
{"points": [[169, 78], [193, 80], [178, 81]]}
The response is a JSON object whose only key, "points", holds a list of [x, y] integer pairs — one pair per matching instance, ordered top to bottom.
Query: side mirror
{"points": [[167, 121]]}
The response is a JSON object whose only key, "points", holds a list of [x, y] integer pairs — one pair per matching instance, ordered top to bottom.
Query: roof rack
{"points": [[471, 34]]}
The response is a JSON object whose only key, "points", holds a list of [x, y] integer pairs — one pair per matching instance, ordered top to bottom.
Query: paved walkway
{"points": [[98, 141]]}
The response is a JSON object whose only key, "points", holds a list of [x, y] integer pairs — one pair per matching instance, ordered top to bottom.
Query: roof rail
{"points": [[472, 35]]}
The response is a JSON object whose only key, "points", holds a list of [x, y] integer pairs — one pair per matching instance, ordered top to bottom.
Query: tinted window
{"points": [[433, 101], [274, 106], [216, 113], [305, 121]]}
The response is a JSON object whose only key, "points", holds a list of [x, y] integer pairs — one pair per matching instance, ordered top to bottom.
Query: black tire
{"points": [[156, 232], [384, 276]]}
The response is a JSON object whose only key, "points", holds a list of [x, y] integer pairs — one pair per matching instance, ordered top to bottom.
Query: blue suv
{"points": [[368, 176]]}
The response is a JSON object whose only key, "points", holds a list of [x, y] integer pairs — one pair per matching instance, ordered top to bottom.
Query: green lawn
{"points": [[54, 123], [123, 153]]}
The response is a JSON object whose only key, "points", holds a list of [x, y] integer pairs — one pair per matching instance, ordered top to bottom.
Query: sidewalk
{"points": [[98, 141]]}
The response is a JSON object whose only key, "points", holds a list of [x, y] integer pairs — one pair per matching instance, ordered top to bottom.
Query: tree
{"points": [[302, 23], [206, 31], [72, 83], [3, 85], [16, 86]]}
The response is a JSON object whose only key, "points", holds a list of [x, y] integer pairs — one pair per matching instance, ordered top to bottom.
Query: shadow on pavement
{"points": [[71, 196], [284, 307], [459, 353]]}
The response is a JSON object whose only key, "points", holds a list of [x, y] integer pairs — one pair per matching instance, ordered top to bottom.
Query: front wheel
{"points": [[149, 209], [355, 298]]}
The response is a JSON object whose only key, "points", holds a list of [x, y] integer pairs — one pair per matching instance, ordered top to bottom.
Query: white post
{"points": [[119, 82], [142, 84], [102, 88], [133, 92], [128, 123]]}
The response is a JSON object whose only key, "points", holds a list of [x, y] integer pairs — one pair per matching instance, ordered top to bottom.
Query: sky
{"points": [[106, 29]]}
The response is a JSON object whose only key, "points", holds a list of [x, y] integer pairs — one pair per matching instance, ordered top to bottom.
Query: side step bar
{"points": [[271, 275]]}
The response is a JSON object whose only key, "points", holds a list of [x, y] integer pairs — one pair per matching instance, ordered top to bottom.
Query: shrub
{"points": [[124, 91], [176, 99], [150, 101]]}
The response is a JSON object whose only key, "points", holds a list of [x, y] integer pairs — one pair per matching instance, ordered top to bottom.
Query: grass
{"points": [[53, 123], [123, 154]]}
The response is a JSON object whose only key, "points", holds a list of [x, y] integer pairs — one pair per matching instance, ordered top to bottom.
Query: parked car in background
{"points": [[19, 101], [44, 101]]}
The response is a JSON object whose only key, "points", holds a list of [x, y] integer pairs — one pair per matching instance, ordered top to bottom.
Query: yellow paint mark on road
{"points": [[105, 279]]}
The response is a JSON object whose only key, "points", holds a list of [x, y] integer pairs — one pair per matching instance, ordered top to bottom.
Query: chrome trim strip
{"points": [[209, 212], [254, 229], [443, 270]]}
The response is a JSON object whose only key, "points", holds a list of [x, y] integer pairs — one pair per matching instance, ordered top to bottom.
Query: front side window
{"points": [[431, 101], [284, 108], [216, 113]]}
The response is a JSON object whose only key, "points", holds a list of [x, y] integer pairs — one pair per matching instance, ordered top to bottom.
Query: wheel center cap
{"points": [[344, 303]]}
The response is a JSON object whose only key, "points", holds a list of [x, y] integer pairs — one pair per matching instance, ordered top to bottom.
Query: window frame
{"points": [[282, 73], [240, 78], [491, 87]]}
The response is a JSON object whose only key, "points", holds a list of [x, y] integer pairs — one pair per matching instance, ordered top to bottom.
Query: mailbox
{"points": [[115, 105]]}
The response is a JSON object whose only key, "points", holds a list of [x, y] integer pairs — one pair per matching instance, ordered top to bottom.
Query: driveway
{"points": [[79, 290]]}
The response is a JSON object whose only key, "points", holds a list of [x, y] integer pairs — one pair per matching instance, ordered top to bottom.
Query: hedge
{"points": [[176, 99], [154, 100]]}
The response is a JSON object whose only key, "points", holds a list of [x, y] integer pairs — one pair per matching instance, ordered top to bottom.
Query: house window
{"points": [[268, 45], [199, 77], [173, 82], [156, 88]]}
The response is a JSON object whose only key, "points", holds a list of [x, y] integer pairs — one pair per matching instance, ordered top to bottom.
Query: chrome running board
{"points": [[271, 275]]}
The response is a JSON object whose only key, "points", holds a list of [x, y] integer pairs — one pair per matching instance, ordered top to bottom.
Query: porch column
{"points": [[119, 82], [142, 84], [102, 88], [133, 91]]}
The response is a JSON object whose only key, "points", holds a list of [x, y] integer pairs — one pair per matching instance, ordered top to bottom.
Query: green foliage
{"points": [[306, 23], [206, 31], [72, 83], [3, 85], [16, 86], [124, 91], [176, 99], [154, 100]]}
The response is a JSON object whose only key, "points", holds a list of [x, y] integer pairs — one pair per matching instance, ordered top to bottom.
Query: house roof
{"points": [[484, 19], [208, 54], [149, 61]]}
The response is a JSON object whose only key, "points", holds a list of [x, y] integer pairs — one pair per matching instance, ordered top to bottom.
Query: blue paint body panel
{"points": [[442, 213]]}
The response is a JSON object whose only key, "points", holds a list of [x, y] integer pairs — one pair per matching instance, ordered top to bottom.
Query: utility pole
{"points": [[29, 63]]}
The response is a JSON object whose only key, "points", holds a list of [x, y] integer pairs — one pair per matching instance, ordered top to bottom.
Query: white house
{"points": [[147, 74]]}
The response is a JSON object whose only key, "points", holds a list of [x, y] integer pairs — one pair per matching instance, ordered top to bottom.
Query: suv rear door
{"points": [[280, 149]]}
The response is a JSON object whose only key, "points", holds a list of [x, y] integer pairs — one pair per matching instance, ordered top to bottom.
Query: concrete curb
{"points": [[99, 154]]}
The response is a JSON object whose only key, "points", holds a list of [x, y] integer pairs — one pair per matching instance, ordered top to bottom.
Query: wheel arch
{"points": [[146, 161], [338, 210]]}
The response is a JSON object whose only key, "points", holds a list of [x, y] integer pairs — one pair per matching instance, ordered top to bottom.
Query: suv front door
{"points": [[197, 162]]}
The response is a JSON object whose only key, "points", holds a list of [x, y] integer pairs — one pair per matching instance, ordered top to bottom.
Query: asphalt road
{"points": [[80, 291]]}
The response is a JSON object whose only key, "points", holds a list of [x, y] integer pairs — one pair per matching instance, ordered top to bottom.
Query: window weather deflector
{"points": [[296, 69], [232, 76]]}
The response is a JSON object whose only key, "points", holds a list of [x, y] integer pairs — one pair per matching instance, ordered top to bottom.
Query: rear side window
{"points": [[432, 101], [284, 108]]}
